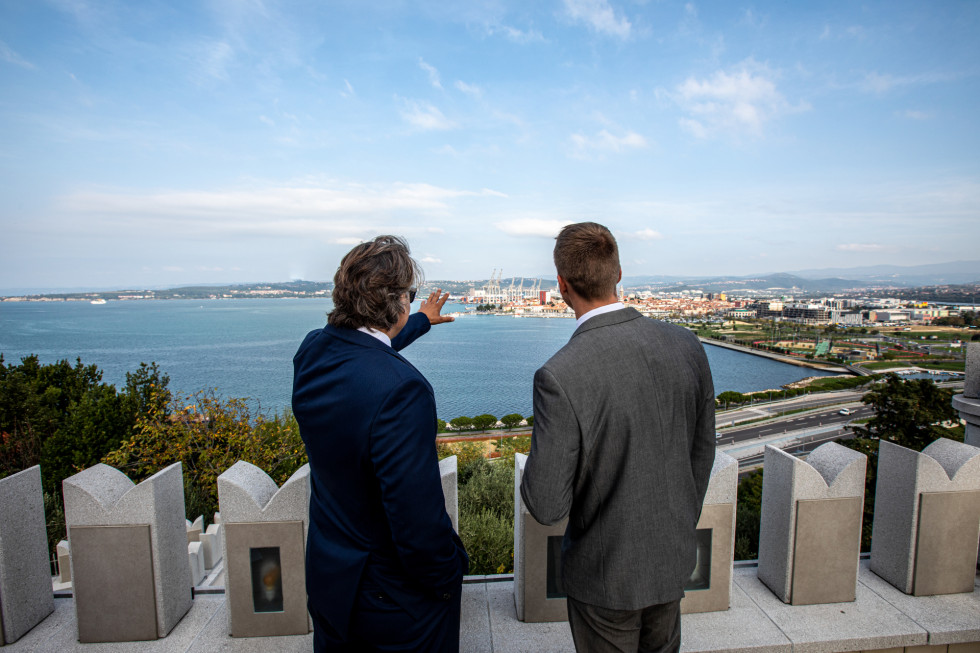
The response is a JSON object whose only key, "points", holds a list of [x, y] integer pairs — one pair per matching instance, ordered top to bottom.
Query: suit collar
{"points": [[608, 319]]}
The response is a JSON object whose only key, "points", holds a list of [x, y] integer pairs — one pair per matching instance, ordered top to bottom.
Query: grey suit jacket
{"points": [[623, 444]]}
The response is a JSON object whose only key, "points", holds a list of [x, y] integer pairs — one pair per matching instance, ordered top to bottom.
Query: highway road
{"points": [[792, 423]]}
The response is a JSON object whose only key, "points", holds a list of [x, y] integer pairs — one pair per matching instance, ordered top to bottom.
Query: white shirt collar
{"points": [[608, 308], [383, 337]]}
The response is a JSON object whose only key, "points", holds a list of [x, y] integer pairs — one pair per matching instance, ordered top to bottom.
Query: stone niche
{"points": [[450, 488], [927, 517], [265, 529], [810, 532], [128, 542], [25, 579], [710, 586], [538, 592]]}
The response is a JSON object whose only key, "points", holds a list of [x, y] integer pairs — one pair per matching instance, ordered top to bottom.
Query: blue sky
{"points": [[160, 143]]}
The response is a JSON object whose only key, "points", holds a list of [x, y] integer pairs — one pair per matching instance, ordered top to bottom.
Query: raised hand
{"points": [[432, 307]]}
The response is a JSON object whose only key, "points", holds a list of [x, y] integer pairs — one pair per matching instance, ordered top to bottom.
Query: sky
{"points": [[161, 143]]}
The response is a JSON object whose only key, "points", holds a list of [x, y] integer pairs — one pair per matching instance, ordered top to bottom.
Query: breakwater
{"points": [[782, 358]]}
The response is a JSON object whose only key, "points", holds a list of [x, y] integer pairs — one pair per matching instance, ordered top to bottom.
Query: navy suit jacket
{"points": [[377, 511]]}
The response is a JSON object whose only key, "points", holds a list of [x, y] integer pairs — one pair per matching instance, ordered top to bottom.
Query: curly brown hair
{"points": [[587, 258], [370, 282]]}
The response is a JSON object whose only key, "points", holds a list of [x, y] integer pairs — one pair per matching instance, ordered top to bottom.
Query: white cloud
{"points": [[599, 15], [521, 36], [7, 54], [213, 59], [432, 72], [874, 82], [469, 89], [348, 91], [740, 100], [916, 115], [425, 116], [267, 121], [604, 141], [317, 209], [531, 227], [647, 234], [351, 240], [860, 247], [429, 258]]}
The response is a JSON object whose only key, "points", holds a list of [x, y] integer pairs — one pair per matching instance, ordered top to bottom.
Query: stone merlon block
{"points": [[968, 403], [831, 472], [908, 483], [723, 484], [450, 488], [248, 494], [104, 496], [255, 512], [25, 578]]}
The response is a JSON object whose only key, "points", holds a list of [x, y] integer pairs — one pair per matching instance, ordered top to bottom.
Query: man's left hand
{"points": [[433, 306]]}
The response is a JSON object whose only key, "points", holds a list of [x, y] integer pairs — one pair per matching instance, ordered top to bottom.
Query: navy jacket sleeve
{"points": [[418, 325], [404, 456]]}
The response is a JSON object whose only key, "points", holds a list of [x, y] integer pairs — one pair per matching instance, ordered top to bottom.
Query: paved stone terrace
{"points": [[880, 618]]}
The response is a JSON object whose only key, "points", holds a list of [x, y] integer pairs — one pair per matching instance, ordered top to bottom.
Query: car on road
{"points": [[844, 411]]}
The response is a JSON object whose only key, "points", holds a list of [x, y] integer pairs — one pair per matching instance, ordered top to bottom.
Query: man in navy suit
{"points": [[384, 566]]}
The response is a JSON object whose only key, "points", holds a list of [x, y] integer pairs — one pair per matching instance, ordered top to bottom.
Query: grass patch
{"points": [[884, 365], [952, 366]]}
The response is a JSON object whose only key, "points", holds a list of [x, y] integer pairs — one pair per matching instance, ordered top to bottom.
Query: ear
{"points": [[620, 275], [562, 285]]}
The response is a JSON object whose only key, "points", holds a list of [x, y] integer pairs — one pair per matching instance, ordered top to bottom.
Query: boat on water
{"points": [[98, 302]]}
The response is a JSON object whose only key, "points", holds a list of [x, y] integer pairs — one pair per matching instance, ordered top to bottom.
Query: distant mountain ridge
{"points": [[823, 280]]}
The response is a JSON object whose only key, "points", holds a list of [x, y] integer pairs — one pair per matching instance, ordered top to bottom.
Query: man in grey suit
{"points": [[623, 444]]}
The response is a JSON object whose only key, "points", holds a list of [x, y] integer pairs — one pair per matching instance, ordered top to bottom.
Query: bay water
{"points": [[244, 348]]}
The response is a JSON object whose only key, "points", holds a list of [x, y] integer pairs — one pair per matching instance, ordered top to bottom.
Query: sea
{"points": [[244, 348]]}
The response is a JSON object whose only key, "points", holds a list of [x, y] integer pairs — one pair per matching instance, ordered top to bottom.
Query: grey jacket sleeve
{"points": [[703, 444], [549, 473]]}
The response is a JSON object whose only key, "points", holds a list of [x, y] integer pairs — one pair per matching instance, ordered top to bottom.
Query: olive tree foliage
{"points": [[208, 434]]}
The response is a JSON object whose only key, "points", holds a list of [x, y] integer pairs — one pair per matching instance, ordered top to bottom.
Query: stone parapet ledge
{"points": [[880, 618]]}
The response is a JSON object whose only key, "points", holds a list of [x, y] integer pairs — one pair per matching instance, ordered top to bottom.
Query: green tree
{"points": [[907, 412], [512, 420], [530, 420], [484, 422], [462, 423], [440, 425], [208, 434]]}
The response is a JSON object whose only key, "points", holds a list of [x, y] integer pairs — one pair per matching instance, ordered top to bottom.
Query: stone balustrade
{"points": [[133, 567]]}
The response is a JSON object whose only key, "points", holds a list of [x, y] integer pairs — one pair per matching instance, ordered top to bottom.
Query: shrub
{"points": [[466, 454], [489, 541]]}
